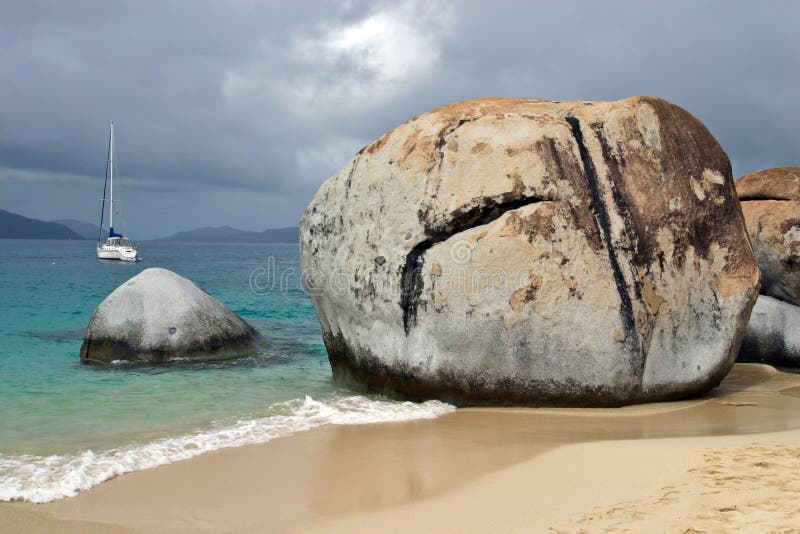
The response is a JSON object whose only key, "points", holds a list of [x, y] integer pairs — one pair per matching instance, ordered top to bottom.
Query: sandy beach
{"points": [[729, 461]]}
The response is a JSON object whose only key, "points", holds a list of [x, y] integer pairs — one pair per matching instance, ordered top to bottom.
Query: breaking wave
{"points": [[42, 479]]}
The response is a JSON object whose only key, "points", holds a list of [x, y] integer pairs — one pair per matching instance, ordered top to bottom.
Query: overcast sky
{"points": [[235, 112]]}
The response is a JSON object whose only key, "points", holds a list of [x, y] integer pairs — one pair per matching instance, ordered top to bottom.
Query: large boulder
{"points": [[771, 205], [518, 251], [158, 316], [773, 334]]}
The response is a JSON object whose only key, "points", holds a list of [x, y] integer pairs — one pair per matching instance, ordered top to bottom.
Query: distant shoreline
{"points": [[15, 226]]}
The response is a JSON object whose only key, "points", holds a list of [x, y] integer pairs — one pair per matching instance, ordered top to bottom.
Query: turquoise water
{"points": [[67, 426]]}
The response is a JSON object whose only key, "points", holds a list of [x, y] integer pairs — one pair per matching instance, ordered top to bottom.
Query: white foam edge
{"points": [[41, 479]]}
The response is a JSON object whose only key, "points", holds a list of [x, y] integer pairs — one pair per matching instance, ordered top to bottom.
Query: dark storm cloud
{"points": [[234, 113]]}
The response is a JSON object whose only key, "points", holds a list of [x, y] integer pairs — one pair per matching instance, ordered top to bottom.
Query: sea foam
{"points": [[42, 479]]}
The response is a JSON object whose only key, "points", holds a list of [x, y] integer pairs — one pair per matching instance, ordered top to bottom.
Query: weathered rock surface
{"points": [[771, 205], [516, 251], [158, 316], [773, 334]]}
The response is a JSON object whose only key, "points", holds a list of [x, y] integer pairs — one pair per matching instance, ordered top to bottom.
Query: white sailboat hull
{"points": [[117, 252]]}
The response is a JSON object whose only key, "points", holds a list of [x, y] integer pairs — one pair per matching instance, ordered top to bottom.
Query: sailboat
{"points": [[116, 246]]}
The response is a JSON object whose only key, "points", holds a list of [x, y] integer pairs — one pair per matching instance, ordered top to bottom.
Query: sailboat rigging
{"points": [[117, 246]]}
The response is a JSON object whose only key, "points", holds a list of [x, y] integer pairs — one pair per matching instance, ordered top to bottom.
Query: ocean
{"points": [[65, 427]]}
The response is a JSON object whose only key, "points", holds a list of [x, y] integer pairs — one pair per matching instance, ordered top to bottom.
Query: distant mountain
{"points": [[13, 226], [82, 228], [227, 234]]}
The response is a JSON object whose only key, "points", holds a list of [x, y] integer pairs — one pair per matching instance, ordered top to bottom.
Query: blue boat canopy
{"points": [[112, 233]]}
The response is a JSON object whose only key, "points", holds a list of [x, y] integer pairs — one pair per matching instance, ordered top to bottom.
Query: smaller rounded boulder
{"points": [[771, 205], [158, 316], [773, 334]]}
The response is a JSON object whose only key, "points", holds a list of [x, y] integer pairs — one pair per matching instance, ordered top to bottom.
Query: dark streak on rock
{"points": [[571, 171], [348, 184], [764, 196], [623, 205], [603, 219], [641, 246]]}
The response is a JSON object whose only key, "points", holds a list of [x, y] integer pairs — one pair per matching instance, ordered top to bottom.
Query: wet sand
{"points": [[479, 469]]}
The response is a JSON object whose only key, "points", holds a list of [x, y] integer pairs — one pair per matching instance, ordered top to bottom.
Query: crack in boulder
{"points": [[486, 211]]}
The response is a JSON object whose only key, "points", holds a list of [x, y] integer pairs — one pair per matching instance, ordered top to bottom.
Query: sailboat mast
{"points": [[111, 173]]}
